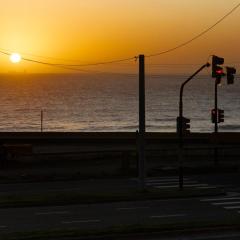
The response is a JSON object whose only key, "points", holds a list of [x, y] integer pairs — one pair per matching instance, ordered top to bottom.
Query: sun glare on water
{"points": [[15, 58]]}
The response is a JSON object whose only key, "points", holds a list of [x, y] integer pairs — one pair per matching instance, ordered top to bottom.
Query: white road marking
{"points": [[159, 178], [165, 180], [169, 182], [161, 183], [185, 185], [196, 185], [222, 185], [170, 186], [207, 187], [65, 189], [232, 194], [219, 199], [225, 203], [232, 207], [132, 208], [52, 213], [169, 216], [82, 221]]}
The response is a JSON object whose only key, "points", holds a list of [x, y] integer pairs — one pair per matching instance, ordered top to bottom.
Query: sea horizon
{"points": [[109, 102]]}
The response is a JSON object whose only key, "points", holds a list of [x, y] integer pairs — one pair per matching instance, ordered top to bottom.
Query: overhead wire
{"points": [[198, 35], [44, 57], [53, 64], [62, 65], [72, 65], [79, 65]]}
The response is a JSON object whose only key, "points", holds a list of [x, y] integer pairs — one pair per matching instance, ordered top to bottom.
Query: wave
{"points": [[167, 119]]}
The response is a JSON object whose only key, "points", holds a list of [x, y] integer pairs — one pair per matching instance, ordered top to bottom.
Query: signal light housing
{"points": [[217, 71], [230, 74], [220, 115], [213, 116], [217, 116], [185, 123]]}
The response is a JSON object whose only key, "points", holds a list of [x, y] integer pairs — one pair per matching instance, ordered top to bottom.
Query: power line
{"points": [[197, 36], [5, 53], [44, 57], [52, 64], [62, 65], [72, 65], [80, 65]]}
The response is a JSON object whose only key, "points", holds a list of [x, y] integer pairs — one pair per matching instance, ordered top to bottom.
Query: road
{"points": [[228, 181], [193, 211], [98, 216], [224, 235]]}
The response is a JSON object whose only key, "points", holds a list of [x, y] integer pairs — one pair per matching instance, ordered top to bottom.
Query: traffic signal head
{"points": [[217, 60], [217, 71], [230, 74], [214, 115], [220, 115], [183, 124], [186, 124]]}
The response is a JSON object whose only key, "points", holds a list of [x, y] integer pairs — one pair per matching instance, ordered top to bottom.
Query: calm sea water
{"points": [[109, 102]]}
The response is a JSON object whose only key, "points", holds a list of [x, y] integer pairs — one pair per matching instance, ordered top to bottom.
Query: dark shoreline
{"points": [[78, 137]]}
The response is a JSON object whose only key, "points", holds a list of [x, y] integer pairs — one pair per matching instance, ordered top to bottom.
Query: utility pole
{"points": [[181, 121], [141, 140]]}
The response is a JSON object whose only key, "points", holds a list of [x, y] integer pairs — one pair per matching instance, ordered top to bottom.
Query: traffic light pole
{"points": [[218, 79], [216, 104], [218, 114], [180, 132], [141, 135]]}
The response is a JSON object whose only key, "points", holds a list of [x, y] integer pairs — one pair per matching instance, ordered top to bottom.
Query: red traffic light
{"points": [[217, 71], [220, 71]]}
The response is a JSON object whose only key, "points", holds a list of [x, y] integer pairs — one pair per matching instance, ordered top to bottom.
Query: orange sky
{"points": [[93, 30]]}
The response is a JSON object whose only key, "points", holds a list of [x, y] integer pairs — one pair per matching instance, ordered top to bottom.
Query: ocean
{"points": [[109, 103]]}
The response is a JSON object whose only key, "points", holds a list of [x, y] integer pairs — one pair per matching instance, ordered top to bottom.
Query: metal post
{"points": [[218, 79], [216, 106], [180, 132], [141, 147], [180, 153]]}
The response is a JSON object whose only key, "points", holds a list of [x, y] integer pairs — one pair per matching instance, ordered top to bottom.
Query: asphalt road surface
{"points": [[228, 181], [98, 216], [199, 236]]}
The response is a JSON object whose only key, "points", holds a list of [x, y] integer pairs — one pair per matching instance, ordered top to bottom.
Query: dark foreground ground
{"points": [[74, 186], [206, 206]]}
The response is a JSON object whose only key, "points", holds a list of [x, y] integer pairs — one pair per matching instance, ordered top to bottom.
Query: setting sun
{"points": [[15, 58]]}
